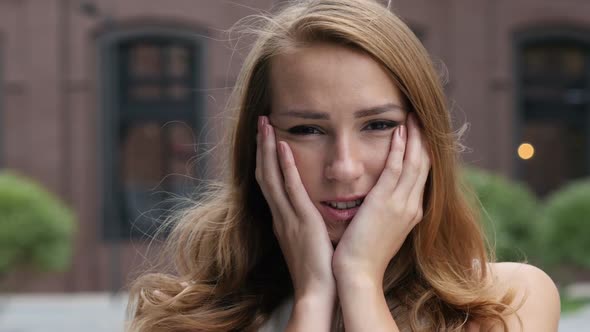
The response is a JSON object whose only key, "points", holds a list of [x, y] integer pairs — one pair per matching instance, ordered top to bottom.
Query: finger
{"points": [[258, 155], [413, 160], [394, 163], [260, 176], [273, 178], [293, 185], [418, 188], [416, 197], [421, 205]]}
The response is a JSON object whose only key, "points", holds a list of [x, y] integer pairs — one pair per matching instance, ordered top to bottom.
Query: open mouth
{"points": [[344, 205], [340, 211]]}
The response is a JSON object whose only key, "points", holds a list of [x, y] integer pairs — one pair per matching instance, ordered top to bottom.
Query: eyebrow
{"points": [[314, 115]]}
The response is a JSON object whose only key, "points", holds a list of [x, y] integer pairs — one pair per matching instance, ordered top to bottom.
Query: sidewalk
{"points": [[96, 312], [104, 313], [576, 322]]}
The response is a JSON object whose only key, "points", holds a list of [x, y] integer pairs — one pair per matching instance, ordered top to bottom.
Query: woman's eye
{"points": [[381, 125], [304, 130], [310, 130]]}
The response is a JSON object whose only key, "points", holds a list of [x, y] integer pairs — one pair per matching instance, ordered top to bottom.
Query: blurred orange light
{"points": [[526, 151]]}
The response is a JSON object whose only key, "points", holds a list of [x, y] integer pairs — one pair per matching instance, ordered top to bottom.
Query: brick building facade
{"points": [[93, 91]]}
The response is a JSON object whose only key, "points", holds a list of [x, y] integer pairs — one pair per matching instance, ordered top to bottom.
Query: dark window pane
{"points": [[146, 61], [535, 61], [554, 62], [572, 63], [178, 65], [158, 73], [146, 92], [178, 92], [555, 104], [156, 119], [560, 149], [181, 158], [155, 167], [142, 169]]}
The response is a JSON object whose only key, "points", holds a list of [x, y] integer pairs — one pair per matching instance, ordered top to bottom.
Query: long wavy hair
{"points": [[227, 270]]}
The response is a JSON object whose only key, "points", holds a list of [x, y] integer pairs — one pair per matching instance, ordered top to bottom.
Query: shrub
{"points": [[509, 214], [566, 225], [36, 229]]}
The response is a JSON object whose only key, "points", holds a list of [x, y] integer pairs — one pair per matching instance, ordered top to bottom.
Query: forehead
{"points": [[330, 78]]}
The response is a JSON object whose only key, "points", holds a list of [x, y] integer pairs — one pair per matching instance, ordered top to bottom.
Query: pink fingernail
{"points": [[266, 130], [402, 132], [282, 148], [286, 155]]}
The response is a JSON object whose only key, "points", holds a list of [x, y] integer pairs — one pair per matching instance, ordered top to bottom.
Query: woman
{"points": [[342, 207]]}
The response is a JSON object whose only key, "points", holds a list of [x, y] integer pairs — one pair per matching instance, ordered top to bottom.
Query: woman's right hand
{"points": [[297, 224]]}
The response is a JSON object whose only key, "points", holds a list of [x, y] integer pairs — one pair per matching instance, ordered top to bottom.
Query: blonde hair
{"points": [[224, 247]]}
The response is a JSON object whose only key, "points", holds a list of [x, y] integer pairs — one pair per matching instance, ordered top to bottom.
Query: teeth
{"points": [[345, 205]]}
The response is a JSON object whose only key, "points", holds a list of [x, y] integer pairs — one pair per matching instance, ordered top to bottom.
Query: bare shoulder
{"points": [[541, 307]]}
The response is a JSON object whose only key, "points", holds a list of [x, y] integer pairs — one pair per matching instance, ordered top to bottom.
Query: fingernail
{"points": [[266, 130], [402, 132], [281, 148], [287, 156]]}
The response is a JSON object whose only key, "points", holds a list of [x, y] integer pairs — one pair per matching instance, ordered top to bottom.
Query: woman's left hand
{"points": [[389, 211]]}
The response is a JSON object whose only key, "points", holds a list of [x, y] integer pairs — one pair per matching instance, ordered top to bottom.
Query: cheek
{"points": [[375, 156], [308, 162]]}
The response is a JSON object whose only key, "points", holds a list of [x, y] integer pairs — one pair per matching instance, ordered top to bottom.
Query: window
{"points": [[554, 111], [151, 130]]}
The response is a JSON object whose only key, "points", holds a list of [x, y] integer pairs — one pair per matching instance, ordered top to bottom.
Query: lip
{"points": [[344, 199], [337, 216]]}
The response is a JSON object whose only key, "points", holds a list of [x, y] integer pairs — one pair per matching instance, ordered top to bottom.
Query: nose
{"points": [[344, 163]]}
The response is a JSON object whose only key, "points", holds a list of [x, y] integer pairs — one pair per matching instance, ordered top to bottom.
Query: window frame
{"points": [[542, 36], [114, 228]]}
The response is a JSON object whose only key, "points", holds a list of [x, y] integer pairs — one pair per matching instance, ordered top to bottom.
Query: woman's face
{"points": [[336, 108]]}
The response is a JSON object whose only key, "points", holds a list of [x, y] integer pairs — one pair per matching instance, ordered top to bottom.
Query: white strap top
{"points": [[279, 318]]}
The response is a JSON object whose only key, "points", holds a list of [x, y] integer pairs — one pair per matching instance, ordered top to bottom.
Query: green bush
{"points": [[509, 214], [566, 225], [36, 229]]}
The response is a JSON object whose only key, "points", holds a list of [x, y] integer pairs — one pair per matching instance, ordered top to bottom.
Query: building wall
{"points": [[475, 41], [51, 122]]}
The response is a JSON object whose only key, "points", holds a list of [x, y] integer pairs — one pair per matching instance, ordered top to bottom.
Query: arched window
{"points": [[152, 107], [554, 108]]}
